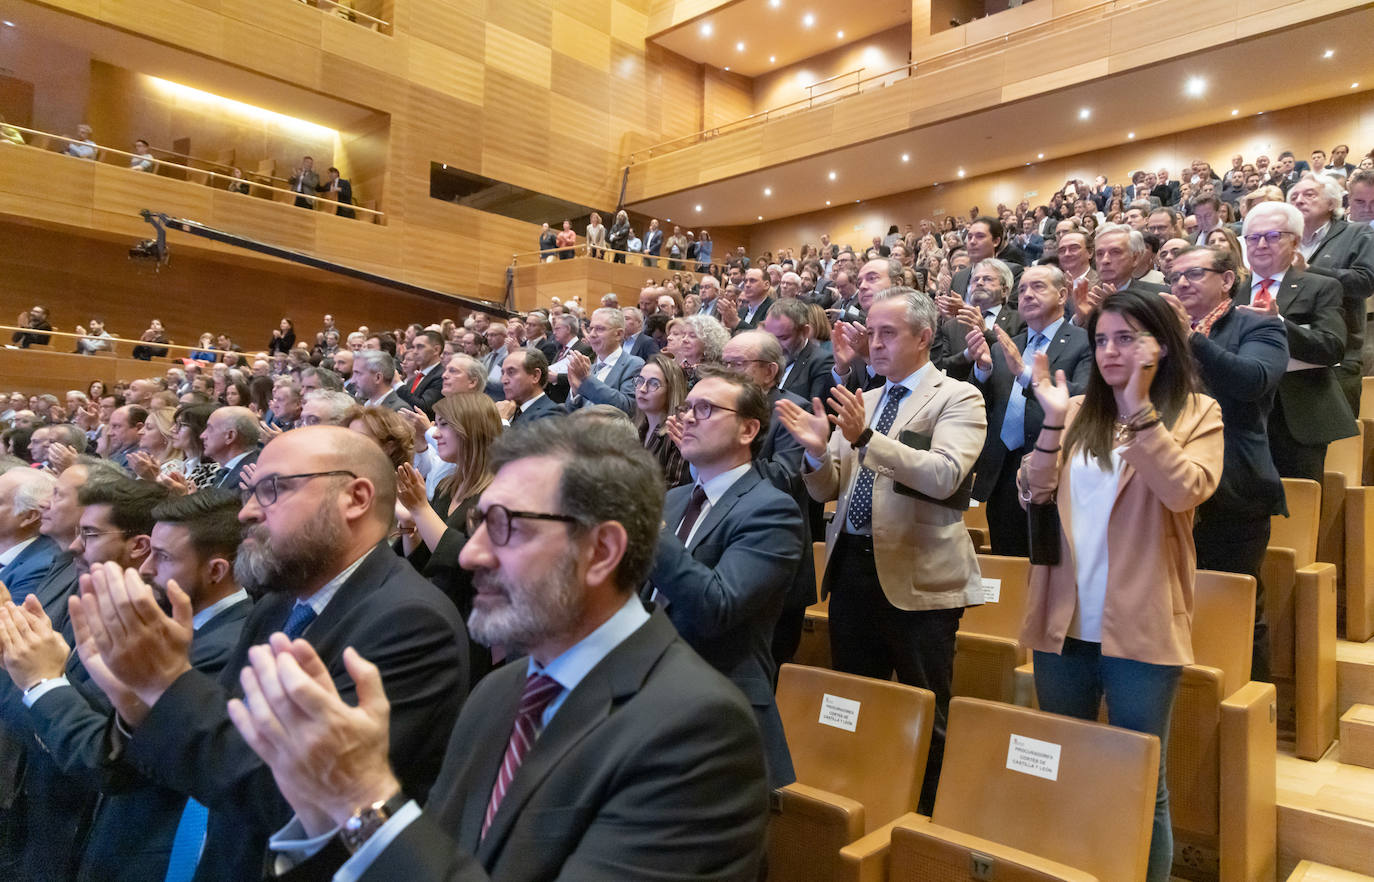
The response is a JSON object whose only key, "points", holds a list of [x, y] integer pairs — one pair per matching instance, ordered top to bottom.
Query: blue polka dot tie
{"points": [[861, 503]]}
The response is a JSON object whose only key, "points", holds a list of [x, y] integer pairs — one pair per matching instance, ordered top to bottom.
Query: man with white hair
{"points": [[1333, 247], [790, 286], [708, 289], [637, 343], [374, 373], [611, 378], [326, 407], [1309, 412], [25, 556]]}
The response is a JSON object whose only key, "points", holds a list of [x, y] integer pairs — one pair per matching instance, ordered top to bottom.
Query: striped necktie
{"points": [[540, 689]]}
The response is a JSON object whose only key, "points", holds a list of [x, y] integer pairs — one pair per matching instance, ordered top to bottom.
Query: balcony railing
{"points": [[345, 10], [261, 185], [631, 258]]}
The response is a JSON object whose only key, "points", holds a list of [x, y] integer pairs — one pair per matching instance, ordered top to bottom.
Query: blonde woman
{"points": [[596, 237], [156, 454]]}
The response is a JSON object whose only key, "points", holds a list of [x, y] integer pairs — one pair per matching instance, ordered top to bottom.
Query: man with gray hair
{"points": [[1116, 250], [790, 287], [708, 289], [984, 307], [637, 343], [806, 368], [373, 374], [313, 378], [611, 378], [326, 407], [231, 439], [902, 457], [25, 556]]}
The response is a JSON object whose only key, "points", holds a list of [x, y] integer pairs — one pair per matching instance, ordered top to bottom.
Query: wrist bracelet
{"points": [[1053, 428], [1136, 430], [1046, 449]]}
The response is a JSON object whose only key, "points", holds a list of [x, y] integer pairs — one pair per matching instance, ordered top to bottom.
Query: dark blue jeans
{"points": [[1140, 697]]}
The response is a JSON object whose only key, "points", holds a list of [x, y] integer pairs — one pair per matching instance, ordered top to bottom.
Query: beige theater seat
{"points": [[976, 519], [1347, 528], [814, 649], [988, 649], [859, 747], [995, 819]]}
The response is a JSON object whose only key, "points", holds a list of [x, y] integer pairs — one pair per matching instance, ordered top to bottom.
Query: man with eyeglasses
{"points": [[1241, 355], [609, 377], [1310, 412], [316, 519], [729, 548], [611, 711]]}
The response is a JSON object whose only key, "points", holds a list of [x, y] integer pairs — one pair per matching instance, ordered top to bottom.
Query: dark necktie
{"points": [[861, 505], [693, 512], [302, 614], [540, 689]]}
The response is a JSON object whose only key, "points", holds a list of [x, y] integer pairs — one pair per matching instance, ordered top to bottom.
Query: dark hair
{"points": [[1213, 201], [995, 228], [1223, 261], [434, 337], [386, 342], [535, 361], [1175, 379], [241, 386], [260, 394], [751, 402], [138, 415], [196, 417], [18, 441], [602, 479], [131, 502], [211, 516]]}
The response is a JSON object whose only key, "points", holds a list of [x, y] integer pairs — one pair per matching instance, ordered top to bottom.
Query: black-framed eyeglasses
{"points": [[1273, 237], [1193, 274], [737, 364], [651, 383], [701, 409], [268, 489], [498, 520], [86, 534]]}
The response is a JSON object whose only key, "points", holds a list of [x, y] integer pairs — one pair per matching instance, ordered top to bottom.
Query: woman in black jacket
{"points": [[283, 337]]}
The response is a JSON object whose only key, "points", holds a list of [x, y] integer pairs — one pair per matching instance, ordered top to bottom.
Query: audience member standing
{"points": [[305, 180], [342, 188], [596, 237], [619, 239], [565, 240]]}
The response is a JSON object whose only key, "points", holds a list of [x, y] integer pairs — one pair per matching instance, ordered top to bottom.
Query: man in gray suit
{"points": [[305, 180], [373, 373], [611, 378], [729, 549], [612, 712]]}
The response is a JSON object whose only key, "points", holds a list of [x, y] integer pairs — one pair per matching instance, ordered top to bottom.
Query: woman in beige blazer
{"points": [[1139, 452]]}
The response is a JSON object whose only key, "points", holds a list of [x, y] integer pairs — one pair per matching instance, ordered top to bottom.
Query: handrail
{"points": [[335, 5], [1114, 7], [836, 77], [214, 162], [211, 176], [582, 249], [112, 340]]}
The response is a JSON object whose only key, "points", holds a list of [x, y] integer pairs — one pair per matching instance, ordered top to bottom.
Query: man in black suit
{"points": [[342, 189], [985, 238], [653, 242], [1116, 250], [1343, 251], [753, 305], [985, 305], [36, 319], [536, 335], [637, 343], [1241, 355], [808, 367], [373, 373], [1003, 373], [523, 376], [427, 386], [1310, 411], [231, 439], [316, 519], [192, 542], [729, 549], [612, 712]]}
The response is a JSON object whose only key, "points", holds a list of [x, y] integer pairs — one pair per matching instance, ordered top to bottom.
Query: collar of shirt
{"points": [[1317, 237], [1274, 283], [990, 317], [1048, 333], [629, 343], [609, 361], [910, 381], [377, 402], [526, 406], [228, 466], [716, 487], [9, 554], [320, 599], [199, 620], [578, 660]]}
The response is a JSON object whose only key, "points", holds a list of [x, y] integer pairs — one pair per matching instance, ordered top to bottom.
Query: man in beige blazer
{"points": [[899, 568]]}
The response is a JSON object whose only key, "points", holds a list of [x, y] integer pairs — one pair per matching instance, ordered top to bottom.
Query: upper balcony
{"points": [[994, 93]]}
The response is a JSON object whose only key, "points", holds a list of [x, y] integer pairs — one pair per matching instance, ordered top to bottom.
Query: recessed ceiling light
{"points": [[775, 3], [808, 20], [9, 24], [706, 29], [839, 35], [739, 47], [1328, 53], [772, 59], [727, 67], [1354, 85], [1195, 86], [1235, 111], [1085, 112], [1260, 113], [1130, 135], [1039, 156], [906, 157], [1028, 163], [961, 172], [832, 176], [768, 191], [856, 201], [827, 202], [698, 208], [760, 217], [667, 220]]}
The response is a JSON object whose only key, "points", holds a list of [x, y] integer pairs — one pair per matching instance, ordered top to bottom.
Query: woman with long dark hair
{"points": [[659, 389], [1123, 467]]}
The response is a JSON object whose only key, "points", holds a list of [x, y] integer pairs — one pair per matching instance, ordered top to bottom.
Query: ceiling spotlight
{"points": [[775, 3], [808, 20], [9, 24], [706, 29], [839, 35], [739, 47], [1328, 53], [772, 59], [727, 67], [1354, 85], [1195, 86], [1235, 111], [1085, 113], [1130, 135], [1039, 156], [906, 157], [961, 172], [832, 176], [768, 191], [827, 202], [856, 202], [698, 208], [760, 217]]}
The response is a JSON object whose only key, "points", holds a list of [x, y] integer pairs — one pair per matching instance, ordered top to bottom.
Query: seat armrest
{"points": [[1314, 615], [1023, 689], [1248, 757], [983, 854], [866, 859]]}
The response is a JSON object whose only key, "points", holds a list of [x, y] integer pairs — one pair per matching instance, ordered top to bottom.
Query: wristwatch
{"points": [[863, 439], [368, 820]]}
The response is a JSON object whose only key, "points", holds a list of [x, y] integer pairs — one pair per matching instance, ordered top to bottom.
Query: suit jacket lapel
{"points": [[1288, 292], [916, 401], [717, 511]]}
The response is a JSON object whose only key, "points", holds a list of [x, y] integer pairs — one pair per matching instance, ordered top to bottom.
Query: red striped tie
{"points": [[539, 691]]}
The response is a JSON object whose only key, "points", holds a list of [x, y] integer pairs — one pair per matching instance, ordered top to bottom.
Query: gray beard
{"points": [[534, 611]]}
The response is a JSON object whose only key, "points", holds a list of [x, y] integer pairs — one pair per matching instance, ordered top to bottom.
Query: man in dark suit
{"points": [[342, 189], [1166, 191], [985, 238], [653, 242], [1031, 243], [1116, 250], [1343, 251], [986, 300], [752, 308], [37, 320], [565, 334], [637, 343], [1241, 355], [808, 367], [373, 373], [1003, 373], [523, 377], [610, 378], [427, 386], [1310, 411], [231, 439], [322, 504], [193, 541], [729, 549], [26, 555], [612, 712]]}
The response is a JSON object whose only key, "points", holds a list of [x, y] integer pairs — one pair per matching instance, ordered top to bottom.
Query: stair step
{"points": [[1354, 674], [1357, 736], [1326, 813], [1307, 871]]}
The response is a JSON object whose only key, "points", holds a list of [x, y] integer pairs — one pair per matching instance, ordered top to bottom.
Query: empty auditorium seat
{"points": [[1300, 605], [988, 648], [859, 747], [1024, 795]]}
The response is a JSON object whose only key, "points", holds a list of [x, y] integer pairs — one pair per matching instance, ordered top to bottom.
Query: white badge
{"points": [[992, 590], [842, 713], [1031, 756]]}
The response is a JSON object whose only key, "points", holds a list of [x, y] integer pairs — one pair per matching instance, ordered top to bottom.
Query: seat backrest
{"points": [[1367, 398], [1346, 457], [976, 516], [1298, 531], [818, 561], [1005, 581], [1224, 624], [857, 737], [1073, 791]]}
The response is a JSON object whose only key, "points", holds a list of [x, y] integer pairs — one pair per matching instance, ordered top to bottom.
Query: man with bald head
{"points": [[231, 440], [316, 520]]}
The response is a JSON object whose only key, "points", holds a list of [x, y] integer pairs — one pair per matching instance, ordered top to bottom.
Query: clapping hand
{"points": [[949, 304], [1086, 305], [729, 313], [1185, 321], [978, 350], [1145, 360], [1015, 363], [579, 368], [1053, 394], [506, 410], [849, 415], [419, 425], [812, 430], [60, 456], [143, 465], [176, 484], [410, 488], [32, 650]]}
